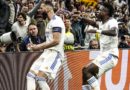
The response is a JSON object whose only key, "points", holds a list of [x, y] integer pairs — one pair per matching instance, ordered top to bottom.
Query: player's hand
{"points": [[29, 47], [35, 47]]}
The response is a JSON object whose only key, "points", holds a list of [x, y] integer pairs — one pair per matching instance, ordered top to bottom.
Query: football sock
{"points": [[42, 83], [94, 83], [31, 84], [86, 87]]}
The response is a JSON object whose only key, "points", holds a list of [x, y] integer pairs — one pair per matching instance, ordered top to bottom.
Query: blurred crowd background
{"points": [[18, 17]]}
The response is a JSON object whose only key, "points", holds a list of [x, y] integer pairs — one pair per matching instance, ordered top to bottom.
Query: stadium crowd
{"points": [[25, 19]]}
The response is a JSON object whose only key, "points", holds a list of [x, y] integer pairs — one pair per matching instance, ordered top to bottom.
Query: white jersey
{"points": [[56, 21], [21, 31], [109, 43]]}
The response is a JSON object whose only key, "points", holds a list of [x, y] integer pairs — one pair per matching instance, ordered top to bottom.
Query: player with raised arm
{"points": [[108, 58]]}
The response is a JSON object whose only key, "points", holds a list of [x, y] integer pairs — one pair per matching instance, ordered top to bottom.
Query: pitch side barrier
{"points": [[14, 67]]}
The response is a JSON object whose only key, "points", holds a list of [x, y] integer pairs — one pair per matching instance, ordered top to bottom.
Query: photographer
{"points": [[9, 42]]}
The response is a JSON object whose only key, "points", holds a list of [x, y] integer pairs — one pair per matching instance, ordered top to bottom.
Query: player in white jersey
{"points": [[108, 57], [47, 65]]}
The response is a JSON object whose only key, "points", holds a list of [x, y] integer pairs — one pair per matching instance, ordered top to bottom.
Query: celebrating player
{"points": [[108, 58], [47, 65]]}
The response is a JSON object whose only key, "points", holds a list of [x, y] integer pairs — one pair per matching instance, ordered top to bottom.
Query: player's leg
{"points": [[100, 65], [48, 69], [31, 75], [89, 77], [41, 80], [31, 84], [86, 87]]}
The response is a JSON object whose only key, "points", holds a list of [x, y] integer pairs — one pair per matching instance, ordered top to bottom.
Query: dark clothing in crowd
{"points": [[4, 17], [77, 31], [28, 39], [123, 45]]}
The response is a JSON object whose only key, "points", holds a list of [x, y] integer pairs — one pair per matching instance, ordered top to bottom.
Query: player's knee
{"points": [[94, 69], [90, 70], [86, 73], [42, 74], [30, 75], [39, 78]]}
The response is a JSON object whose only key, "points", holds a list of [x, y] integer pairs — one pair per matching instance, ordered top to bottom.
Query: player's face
{"points": [[43, 10], [103, 13]]}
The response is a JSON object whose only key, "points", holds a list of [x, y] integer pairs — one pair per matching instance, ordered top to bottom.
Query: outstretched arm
{"points": [[34, 10], [90, 22], [111, 32], [54, 42]]}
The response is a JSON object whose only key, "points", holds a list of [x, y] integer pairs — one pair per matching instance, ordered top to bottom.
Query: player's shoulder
{"points": [[56, 18], [112, 20], [57, 21]]}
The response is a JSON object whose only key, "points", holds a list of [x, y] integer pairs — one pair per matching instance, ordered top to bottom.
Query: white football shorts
{"points": [[105, 61], [48, 62]]}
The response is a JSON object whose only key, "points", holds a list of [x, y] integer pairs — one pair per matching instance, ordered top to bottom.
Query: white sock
{"points": [[42, 83], [94, 83], [31, 84], [86, 87]]}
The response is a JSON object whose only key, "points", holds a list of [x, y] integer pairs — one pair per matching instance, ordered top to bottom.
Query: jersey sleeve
{"points": [[57, 22], [113, 24]]}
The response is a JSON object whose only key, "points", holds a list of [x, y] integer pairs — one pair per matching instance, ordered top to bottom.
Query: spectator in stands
{"points": [[31, 5], [24, 8], [4, 15], [12, 17], [41, 20], [128, 25], [20, 27], [77, 29], [123, 30], [69, 37], [31, 38], [128, 39], [123, 43], [93, 44], [2, 48]]}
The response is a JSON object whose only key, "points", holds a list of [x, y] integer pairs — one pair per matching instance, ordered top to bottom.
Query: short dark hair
{"points": [[49, 3], [110, 8], [23, 15], [31, 24]]}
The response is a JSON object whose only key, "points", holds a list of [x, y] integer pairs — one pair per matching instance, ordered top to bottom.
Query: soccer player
{"points": [[108, 58], [47, 65]]}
